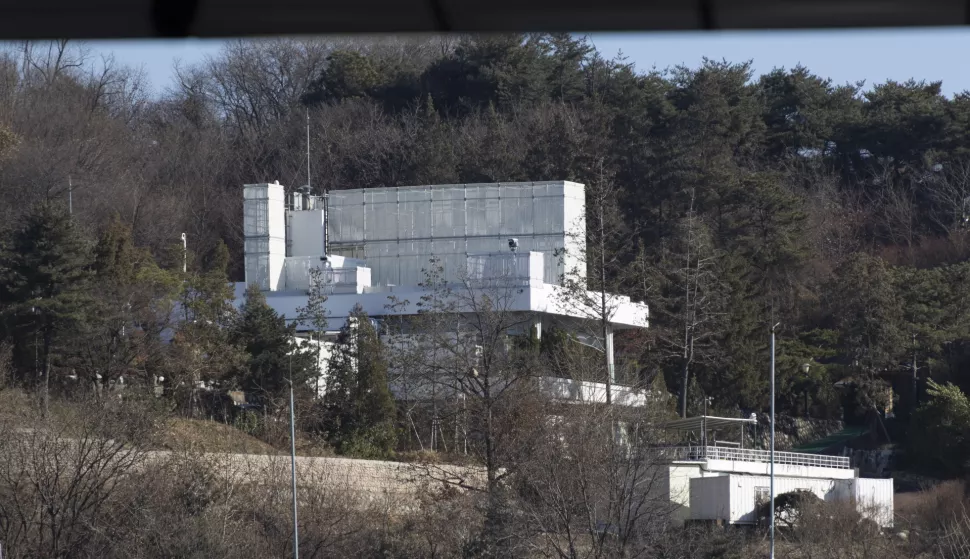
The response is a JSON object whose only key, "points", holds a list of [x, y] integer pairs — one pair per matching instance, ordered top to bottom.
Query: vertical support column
{"points": [[537, 324]]}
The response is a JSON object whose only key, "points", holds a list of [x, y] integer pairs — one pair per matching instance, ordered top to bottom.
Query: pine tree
{"points": [[44, 280], [134, 300], [313, 316], [202, 348], [274, 359], [361, 413], [338, 420]]}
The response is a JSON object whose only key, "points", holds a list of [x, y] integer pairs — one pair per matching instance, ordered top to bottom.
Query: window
{"points": [[761, 496]]}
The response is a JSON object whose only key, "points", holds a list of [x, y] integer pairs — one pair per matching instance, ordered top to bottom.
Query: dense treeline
{"points": [[837, 211]]}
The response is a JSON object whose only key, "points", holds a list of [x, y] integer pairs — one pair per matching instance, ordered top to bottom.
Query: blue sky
{"points": [[842, 55]]}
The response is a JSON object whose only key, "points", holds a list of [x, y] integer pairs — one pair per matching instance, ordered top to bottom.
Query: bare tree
{"points": [[949, 192], [601, 270], [691, 304], [481, 369], [56, 482], [591, 493]]}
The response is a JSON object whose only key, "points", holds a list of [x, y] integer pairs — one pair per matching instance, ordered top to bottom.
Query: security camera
{"points": [[513, 244]]}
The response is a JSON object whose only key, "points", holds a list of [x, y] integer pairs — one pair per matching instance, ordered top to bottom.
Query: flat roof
{"points": [[710, 422]]}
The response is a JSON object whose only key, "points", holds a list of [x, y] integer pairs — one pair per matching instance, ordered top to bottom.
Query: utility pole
{"points": [[308, 146], [915, 377], [771, 489], [296, 527]]}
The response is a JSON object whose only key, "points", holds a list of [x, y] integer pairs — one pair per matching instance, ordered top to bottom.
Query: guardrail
{"points": [[696, 453]]}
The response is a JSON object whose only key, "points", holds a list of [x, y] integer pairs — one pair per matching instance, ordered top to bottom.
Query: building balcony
{"points": [[588, 392]]}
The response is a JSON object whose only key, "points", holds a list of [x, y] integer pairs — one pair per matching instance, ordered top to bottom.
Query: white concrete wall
{"points": [[574, 218], [532, 299], [326, 351], [586, 392], [784, 470], [678, 480], [743, 492], [875, 497], [733, 498]]}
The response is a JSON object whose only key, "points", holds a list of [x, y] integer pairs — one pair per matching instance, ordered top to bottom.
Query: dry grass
{"points": [[16, 405], [198, 435], [931, 509]]}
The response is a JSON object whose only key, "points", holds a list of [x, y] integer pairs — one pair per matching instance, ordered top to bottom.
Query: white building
{"points": [[375, 243], [722, 481]]}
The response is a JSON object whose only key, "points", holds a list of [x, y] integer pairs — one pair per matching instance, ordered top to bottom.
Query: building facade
{"points": [[371, 245]]}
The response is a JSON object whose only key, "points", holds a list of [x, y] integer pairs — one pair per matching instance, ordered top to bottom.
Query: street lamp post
{"points": [[771, 489], [296, 530]]}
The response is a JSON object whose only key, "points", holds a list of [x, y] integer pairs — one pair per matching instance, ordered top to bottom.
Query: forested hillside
{"points": [[730, 201]]}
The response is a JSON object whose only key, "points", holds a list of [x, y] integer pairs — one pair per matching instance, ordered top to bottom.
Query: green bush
{"points": [[248, 422], [939, 438], [375, 443]]}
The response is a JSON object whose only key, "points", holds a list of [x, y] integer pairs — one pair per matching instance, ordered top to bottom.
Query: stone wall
{"points": [[794, 431]]}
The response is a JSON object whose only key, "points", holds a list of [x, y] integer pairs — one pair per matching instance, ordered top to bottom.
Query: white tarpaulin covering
{"points": [[397, 230]]}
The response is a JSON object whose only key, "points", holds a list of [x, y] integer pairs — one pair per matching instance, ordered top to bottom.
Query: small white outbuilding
{"points": [[733, 499]]}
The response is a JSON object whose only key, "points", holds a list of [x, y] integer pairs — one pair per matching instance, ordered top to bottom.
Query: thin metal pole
{"points": [[308, 148], [70, 196], [915, 377], [771, 511], [296, 526]]}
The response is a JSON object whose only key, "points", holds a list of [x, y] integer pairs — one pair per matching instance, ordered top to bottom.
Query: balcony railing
{"points": [[697, 453]]}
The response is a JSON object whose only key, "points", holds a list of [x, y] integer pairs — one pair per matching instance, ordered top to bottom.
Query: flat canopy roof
{"points": [[710, 422]]}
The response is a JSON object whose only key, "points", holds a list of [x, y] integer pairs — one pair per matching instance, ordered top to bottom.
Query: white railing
{"points": [[507, 268], [696, 453]]}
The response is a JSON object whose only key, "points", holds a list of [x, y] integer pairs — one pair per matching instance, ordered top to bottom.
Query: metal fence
{"points": [[693, 453]]}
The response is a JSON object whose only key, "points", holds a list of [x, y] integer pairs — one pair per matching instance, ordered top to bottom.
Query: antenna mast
{"points": [[323, 193]]}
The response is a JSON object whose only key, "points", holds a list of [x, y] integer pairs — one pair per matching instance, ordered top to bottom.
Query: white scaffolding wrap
{"points": [[397, 230], [264, 232], [509, 268]]}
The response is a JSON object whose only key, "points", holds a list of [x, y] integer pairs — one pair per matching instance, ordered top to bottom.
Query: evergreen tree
{"points": [[44, 283], [134, 301], [313, 317], [202, 350], [274, 358], [360, 410], [939, 441]]}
